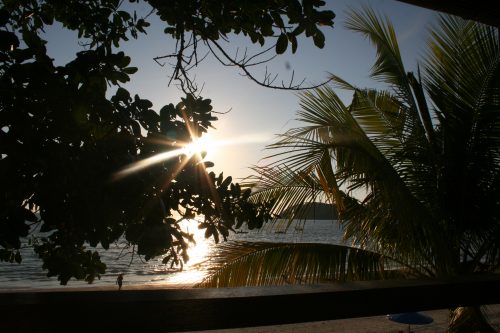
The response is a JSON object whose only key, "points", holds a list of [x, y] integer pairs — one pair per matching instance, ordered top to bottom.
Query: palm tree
{"points": [[413, 170]]}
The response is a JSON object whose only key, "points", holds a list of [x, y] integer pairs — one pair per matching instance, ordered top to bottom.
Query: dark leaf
{"points": [[319, 39], [282, 44], [129, 70]]}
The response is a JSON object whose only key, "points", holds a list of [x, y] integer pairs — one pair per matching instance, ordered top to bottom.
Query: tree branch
{"points": [[267, 81]]}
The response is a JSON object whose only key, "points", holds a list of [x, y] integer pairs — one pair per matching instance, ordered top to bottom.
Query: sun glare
{"points": [[203, 145]]}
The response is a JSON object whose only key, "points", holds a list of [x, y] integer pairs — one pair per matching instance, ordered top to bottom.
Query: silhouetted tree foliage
{"points": [[66, 130]]}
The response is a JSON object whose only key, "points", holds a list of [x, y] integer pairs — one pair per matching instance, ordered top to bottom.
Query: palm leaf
{"points": [[388, 65], [463, 81], [395, 130], [335, 135], [288, 190], [259, 264]]}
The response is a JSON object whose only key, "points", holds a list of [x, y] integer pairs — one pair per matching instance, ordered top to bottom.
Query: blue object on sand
{"points": [[410, 318]]}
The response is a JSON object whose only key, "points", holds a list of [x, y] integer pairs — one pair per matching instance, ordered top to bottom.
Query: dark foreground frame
{"points": [[177, 310]]}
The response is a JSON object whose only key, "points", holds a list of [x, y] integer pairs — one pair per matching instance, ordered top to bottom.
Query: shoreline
{"points": [[93, 287]]}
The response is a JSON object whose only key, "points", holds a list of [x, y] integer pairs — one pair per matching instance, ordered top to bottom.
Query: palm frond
{"points": [[462, 62], [388, 65], [463, 81], [381, 117], [394, 128], [396, 131], [337, 146], [329, 185], [288, 190], [259, 264]]}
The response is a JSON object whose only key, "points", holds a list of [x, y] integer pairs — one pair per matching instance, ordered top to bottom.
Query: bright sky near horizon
{"points": [[257, 113]]}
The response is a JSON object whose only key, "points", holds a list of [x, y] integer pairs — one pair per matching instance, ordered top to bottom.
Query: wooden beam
{"points": [[477, 10], [177, 310]]}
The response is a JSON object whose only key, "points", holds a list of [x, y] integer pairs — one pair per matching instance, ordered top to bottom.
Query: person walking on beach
{"points": [[119, 281]]}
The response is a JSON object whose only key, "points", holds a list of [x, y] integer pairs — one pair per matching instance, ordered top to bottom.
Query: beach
{"points": [[376, 324]]}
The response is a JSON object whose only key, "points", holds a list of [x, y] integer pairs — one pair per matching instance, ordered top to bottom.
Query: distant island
{"points": [[315, 211]]}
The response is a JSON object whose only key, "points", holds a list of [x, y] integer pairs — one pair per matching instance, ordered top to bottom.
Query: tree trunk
{"points": [[469, 319]]}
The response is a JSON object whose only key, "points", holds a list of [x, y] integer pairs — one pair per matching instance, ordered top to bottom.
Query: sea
{"points": [[138, 272]]}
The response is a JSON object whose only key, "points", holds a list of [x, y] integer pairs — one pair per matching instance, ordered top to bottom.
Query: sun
{"points": [[202, 146]]}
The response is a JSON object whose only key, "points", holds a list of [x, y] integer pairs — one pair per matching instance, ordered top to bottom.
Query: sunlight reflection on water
{"points": [[138, 272]]}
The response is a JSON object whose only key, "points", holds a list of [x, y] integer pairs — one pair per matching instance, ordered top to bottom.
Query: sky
{"points": [[258, 114]]}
